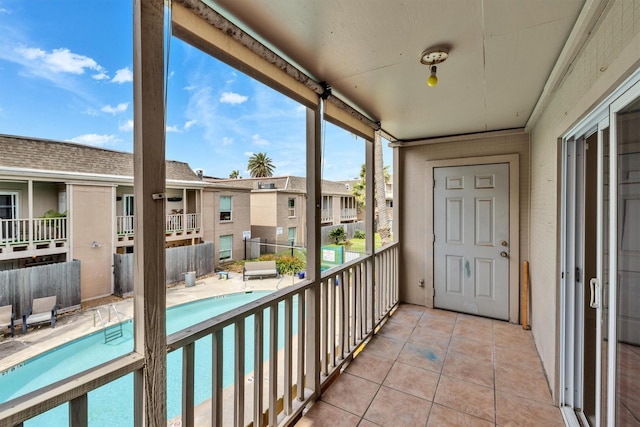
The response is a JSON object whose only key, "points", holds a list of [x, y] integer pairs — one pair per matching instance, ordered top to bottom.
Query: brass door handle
{"points": [[503, 254]]}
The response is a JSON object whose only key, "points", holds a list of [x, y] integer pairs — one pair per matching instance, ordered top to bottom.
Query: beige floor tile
{"points": [[442, 314], [407, 316], [442, 325], [474, 328], [396, 330], [424, 335], [508, 335], [385, 346], [471, 348], [423, 356], [517, 356], [370, 367], [472, 369], [412, 380], [527, 383], [351, 393], [466, 397], [394, 408], [517, 411], [325, 415], [441, 416], [625, 417], [367, 423]]}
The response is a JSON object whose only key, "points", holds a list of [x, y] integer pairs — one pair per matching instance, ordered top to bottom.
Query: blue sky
{"points": [[66, 74]]}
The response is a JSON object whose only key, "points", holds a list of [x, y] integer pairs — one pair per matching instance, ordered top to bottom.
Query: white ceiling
{"points": [[501, 54]]}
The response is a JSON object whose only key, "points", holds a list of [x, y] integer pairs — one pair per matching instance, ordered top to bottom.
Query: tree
{"points": [[260, 166], [235, 174], [381, 177], [380, 182]]}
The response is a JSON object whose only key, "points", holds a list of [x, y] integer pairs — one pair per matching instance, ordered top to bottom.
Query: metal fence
{"points": [[198, 258], [20, 286]]}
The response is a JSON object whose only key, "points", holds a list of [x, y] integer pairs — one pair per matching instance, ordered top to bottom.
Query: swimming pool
{"points": [[112, 404]]}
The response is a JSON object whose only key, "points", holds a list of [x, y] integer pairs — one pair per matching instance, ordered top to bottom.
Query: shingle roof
{"points": [[49, 155], [291, 183]]}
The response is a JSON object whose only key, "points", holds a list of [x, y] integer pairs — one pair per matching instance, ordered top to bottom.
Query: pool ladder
{"points": [[110, 332]]}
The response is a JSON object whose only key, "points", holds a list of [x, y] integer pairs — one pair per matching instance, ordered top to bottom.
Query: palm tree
{"points": [[260, 166], [235, 174], [381, 176]]}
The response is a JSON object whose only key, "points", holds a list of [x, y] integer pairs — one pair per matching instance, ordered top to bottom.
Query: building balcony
{"points": [[349, 214], [327, 216], [178, 227], [31, 237], [348, 355]]}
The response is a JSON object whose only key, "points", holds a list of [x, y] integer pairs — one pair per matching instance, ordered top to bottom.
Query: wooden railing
{"points": [[352, 299]]}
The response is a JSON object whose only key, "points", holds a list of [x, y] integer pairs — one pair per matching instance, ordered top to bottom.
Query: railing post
{"points": [[79, 412]]}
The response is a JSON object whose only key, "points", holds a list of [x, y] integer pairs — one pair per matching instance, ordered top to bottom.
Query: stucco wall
{"points": [[611, 53], [413, 200], [91, 220], [240, 222]]}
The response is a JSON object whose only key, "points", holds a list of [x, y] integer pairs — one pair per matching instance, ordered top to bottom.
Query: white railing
{"points": [[348, 214], [327, 215], [192, 221], [175, 223], [124, 225], [17, 231], [349, 303]]}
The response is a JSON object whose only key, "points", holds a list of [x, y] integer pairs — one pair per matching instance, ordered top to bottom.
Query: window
{"points": [[8, 205], [292, 207], [225, 208], [292, 236], [226, 245]]}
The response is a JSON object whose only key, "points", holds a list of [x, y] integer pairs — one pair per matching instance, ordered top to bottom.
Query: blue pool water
{"points": [[112, 405]]}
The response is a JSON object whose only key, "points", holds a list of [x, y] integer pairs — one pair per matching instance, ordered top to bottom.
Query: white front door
{"points": [[471, 232]]}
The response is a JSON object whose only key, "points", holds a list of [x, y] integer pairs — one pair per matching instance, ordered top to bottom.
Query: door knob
{"points": [[504, 243], [503, 254]]}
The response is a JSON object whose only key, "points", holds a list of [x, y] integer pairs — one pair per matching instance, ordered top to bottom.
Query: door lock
{"points": [[504, 243], [503, 254]]}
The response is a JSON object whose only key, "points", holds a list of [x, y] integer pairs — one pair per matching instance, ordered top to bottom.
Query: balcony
{"points": [[348, 214], [326, 216], [178, 226], [32, 236]]}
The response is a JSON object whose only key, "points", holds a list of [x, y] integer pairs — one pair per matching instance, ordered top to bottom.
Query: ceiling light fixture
{"points": [[431, 57]]}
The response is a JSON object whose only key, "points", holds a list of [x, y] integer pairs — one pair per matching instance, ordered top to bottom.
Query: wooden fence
{"points": [[198, 258], [20, 286]]}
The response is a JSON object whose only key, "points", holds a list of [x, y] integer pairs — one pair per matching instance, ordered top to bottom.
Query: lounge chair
{"points": [[43, 310], [7, 317]]}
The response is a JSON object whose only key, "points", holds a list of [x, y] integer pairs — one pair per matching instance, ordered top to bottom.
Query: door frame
{"points": [[514, 224]]}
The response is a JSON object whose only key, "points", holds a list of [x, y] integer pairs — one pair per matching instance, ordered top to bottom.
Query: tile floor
{"points": [[438, 368]]}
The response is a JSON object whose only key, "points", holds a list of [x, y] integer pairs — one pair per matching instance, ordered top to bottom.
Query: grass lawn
{"points": [[357, 245]]}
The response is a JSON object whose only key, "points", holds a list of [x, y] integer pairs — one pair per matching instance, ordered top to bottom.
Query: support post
{"points": [[149, 189], [371, 229], [313, 250]]}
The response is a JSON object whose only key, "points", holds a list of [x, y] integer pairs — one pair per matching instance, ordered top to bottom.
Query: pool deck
{"points": [[77, 323]]}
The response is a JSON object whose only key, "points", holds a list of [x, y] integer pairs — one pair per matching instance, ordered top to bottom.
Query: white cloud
{"points": [[3, 10], [58, 61], [123, 75], [100, 76], [190, 88], [232, 98], [120, 108], [190, 123], [126, 127], [173, 128], [95, 139], [227, 141], [259, 141], [248, 153]]}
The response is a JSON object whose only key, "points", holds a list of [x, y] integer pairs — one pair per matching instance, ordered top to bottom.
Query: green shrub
{"points": [[359, 234], [338, 235]]}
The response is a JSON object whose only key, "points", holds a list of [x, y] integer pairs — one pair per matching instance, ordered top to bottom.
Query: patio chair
{"points": [[42, 310], [7, 317]]}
